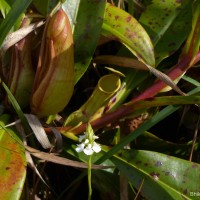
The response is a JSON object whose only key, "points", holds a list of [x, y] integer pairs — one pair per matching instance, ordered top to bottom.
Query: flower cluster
{"points": [[88, 144]]}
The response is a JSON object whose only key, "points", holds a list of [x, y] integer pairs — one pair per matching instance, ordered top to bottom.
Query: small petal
{"points": [[95, 137], [81, 138], [86, 141], [80, 147], [96, 147], [88, 150]]}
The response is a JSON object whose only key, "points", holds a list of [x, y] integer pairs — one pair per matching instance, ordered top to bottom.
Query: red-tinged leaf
{"points": [[130, 32], [193, 42], [12, 163]]}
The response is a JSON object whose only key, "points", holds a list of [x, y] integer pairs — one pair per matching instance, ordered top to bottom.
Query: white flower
{"points": [[95, 137], [81, 138], [86, 141], [88, 144], [80, 147], [96, 147], [88, 150]]}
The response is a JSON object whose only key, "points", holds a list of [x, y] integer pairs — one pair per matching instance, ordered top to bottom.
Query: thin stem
{"points": [[194, 139], [90, 177]]}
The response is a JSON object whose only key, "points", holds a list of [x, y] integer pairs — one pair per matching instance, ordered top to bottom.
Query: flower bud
{"points": [[54, 81]]}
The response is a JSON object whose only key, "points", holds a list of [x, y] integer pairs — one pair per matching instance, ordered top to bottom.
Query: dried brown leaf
{"points": [[16, 36], [38, 130], [60, 160]]}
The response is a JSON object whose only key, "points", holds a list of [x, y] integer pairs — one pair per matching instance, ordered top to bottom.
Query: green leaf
{"points": [[45, 6], [4, 8], [71, 8], [17, 10], [159, 16], [168, 24], [129, 31], [86, 33], [176, 34], [193, 42], [191, 80], [131, 81], [162, 101], [17, 108], [144, 127], [148, 141], [13, 163], [163, 176]]}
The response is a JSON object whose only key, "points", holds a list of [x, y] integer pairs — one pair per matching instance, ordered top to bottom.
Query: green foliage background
{"points": [[148, 131]]}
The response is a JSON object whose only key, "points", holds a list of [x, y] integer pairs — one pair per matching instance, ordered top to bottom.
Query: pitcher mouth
{"points": [[106, 85]]}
